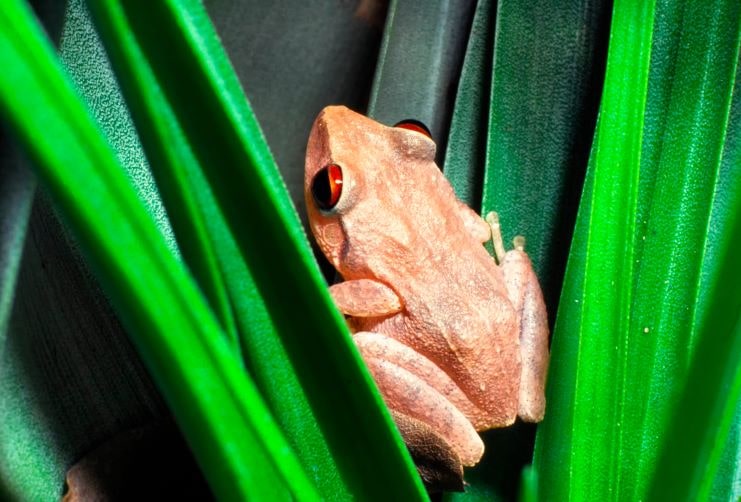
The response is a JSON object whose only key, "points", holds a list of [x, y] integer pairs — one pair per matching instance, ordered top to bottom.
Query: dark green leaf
{"points": [[419, 64], [548, 67], [465, 157]]}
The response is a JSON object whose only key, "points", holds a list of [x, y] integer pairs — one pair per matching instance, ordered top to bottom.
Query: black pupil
{"points": [[321, 189]]}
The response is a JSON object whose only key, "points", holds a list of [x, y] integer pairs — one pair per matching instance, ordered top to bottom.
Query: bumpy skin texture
{"points": [[452, 339]]}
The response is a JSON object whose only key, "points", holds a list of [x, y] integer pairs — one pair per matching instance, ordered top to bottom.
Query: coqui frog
{"points": [[456, 341]]}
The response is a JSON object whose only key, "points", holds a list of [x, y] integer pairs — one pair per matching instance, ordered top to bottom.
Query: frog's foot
{"points": [[527, 299], [410, 385], [438, 464]]}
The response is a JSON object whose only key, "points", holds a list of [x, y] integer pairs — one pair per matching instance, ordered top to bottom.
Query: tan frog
{"points": [[453, 340]]}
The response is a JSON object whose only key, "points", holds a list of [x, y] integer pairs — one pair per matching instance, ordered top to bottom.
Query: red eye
{"points": [[414, 125], [327, 186]]}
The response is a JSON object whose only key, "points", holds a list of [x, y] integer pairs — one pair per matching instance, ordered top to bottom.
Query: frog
{"points": [[455, 339]]}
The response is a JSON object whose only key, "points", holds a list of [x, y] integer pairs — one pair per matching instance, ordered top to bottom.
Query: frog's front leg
{"points": [[476, 226], [524, 292], [365, 298]]}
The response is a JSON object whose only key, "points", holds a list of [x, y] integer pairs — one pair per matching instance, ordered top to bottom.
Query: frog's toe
{"points": [[438, 464]]}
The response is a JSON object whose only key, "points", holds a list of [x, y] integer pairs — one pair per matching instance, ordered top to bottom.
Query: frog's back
{"points": [[455, 302]]}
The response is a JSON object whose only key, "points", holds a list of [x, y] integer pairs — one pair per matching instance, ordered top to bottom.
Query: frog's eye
{"points": [[414, 125], [327, 186]]}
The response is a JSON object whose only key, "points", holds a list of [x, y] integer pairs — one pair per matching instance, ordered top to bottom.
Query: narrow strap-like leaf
{"points": [[419, 64], [547, 69], [687, 114], [225, 137], [465, 156], [170, 159], [180, 176], [17, 189], [595, 305], [226, 422], [697, 443]]}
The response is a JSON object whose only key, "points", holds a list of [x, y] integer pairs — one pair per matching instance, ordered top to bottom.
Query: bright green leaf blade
{"points": [[687, 113], [169, 152], [170, 159], [254, 202], [60, 309], [615, 382], [224, 418], [706, 419], [694, 443], [577, 444], [726, 484]]}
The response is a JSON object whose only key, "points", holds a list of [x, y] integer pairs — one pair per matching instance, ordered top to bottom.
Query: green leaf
{"points": [[419, 64], [547, 70], [685, 134], [465, 157], [17, 188], [255, 205], [201, 231], [623, 340], [709, 402], [226, 422], [577, 461], [729, 469]]}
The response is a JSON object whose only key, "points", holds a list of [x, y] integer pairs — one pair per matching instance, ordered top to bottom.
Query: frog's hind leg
{"points": [[524, 292], [415, 395]]}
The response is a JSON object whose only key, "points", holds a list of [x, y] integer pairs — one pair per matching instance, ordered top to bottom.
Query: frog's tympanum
{"points": [[456, 341]]}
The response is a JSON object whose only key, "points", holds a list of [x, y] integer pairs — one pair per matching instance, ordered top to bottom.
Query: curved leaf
{"points": [[201, 230], [267, 231], [227, 423]]}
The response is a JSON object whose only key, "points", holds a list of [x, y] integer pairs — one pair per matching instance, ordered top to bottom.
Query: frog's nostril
{"points": [[326, 187]]}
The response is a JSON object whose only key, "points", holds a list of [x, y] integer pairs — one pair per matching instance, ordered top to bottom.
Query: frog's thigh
{"points": [[475, 225], [524, 292], [365, 298], [380, 346], [406, 393]]}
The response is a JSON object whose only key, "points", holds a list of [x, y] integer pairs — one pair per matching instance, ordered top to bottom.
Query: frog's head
{"points": [[359, 178]]}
